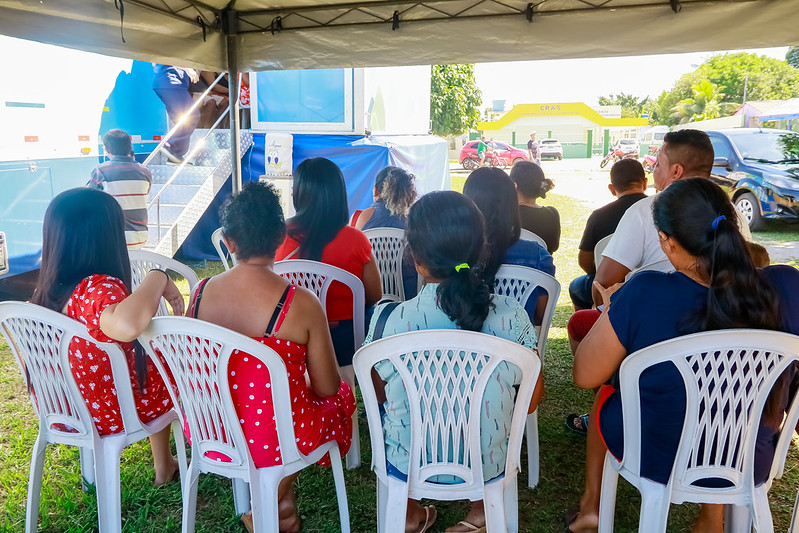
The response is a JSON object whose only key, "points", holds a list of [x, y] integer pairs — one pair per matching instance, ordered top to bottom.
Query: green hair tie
{"points": [[460, 267]]}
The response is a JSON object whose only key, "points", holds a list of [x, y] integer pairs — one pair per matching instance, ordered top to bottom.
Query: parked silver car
{"points": [[550, 148]]}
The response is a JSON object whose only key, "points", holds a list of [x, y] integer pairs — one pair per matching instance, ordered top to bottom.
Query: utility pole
{"points": [[746, 82]]}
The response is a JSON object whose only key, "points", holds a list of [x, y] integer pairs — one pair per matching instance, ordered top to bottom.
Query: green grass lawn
{"points": [[65, 507]]}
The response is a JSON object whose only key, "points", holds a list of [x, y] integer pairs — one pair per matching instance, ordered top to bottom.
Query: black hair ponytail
{"points": [[698, 214], [446, 234]]}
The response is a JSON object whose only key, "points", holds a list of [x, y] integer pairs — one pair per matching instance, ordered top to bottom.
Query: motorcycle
{"points": [[614, 154], [649, 159], [472, 162]]}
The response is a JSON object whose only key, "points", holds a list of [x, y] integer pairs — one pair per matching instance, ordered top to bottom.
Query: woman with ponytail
{"points": [[394, 193], [542, 220], [446, 238], [85, 275], [715, 286]]}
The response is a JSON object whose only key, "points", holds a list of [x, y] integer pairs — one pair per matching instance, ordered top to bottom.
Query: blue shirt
{"points": [[170, 77], [382, 218], [530, 254]]}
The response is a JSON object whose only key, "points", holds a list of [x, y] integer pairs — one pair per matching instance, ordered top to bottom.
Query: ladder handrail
{"points": [[182, 119]]}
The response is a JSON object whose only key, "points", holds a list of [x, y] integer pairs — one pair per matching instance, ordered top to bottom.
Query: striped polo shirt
{"points": [[129, 182]]}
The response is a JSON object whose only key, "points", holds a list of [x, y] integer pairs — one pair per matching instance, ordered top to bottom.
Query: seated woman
{"points": [[394, 193], [495, 195], [542, 220], [319, 232], [446, 237], [85, 275], [715, 286], [254, 301]]}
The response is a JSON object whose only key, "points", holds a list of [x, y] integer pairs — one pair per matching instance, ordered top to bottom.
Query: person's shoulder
{"points": [[352, 235], [784, 276]]}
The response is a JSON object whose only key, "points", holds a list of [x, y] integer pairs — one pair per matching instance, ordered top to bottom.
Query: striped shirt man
{"points": [[129, 182]]}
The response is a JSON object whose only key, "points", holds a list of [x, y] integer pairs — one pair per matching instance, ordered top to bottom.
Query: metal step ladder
{"points": [[186, 195]]}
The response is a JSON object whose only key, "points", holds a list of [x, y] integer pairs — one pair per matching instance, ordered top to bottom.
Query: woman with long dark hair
{"points": [[394, 193], [495, 195], [543, 220], [319, 232], [446, 237], [86, 275], [715, 286], [254, 301]]}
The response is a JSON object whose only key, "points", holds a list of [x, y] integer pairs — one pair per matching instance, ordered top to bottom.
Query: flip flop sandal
{"points": [[577, 423], [430, 515], [571, 517], [471, 528]]}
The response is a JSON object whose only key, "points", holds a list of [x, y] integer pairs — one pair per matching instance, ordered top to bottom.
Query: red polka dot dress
{"points": [[91, 367], [316, 420]]}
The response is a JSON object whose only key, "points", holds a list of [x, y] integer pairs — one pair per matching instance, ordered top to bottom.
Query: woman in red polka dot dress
{"points": [[86, 275], [254, 301]]}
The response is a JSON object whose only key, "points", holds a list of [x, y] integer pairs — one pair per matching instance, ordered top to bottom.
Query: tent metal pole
{"points": [[232, 39]]}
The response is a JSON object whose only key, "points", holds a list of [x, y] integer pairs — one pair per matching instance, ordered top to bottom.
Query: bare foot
{"points": [[167, 473], [584, 523]]}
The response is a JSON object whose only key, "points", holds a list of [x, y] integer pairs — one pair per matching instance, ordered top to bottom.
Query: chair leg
{"points": [[531, 429], [180, 445], [354, 454], [87, 467], [106, 470], [35, 485], [188, 488], [341, 489], [263, 495], [511, 495], [241, 496], [607, 496], [494, 500], [382, 504], [396, 506], [654, 507], [762, 512], [795, 518], [737, 519]]}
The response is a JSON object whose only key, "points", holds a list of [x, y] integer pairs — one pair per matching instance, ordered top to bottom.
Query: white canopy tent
{"points": [[239, 35]]}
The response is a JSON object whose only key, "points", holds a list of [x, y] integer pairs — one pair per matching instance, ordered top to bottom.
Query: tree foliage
{"points": [[792, 56], [765, 78], [454, 99], [705, 104], [631, 106]]}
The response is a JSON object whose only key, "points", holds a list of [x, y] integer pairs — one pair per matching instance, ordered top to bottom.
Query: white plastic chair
{"points": [[528, 235], [388, 246], [599, 248], [224, 256], [142, 261], [317, 277], [519, 282], [39, 339], [197, 354], [741, 367], [445, 426]]}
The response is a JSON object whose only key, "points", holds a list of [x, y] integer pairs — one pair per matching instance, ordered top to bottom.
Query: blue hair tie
{"points": [[715, 223]]}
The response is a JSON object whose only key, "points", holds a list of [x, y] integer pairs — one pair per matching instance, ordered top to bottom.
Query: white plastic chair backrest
{"points": [[528, 235], [388, 246], [599, 248], [224, 255], [142, 261], [317, 277], [519, 282], [39, 339], [197, 354], [725, 372], [445, 406]]}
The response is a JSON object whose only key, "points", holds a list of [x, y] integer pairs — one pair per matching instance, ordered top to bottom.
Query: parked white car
{"points": [[550, 148]]}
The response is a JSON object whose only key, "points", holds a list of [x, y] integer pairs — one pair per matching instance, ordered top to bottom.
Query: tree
{"points": [[792, 57], [765, 78], [454, 99], [705, 104], [631, 106]]}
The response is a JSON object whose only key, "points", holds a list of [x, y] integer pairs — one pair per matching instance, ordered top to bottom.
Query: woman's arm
{"points": [[364, 217], [372, 285], [126, 320], [598, 355], [325, 379]]}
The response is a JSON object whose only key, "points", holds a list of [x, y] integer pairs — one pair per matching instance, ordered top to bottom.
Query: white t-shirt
{"points": [[635, 243]]}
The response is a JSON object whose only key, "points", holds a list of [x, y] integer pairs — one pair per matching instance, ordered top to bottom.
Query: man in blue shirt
{"points": [[171, 84]]}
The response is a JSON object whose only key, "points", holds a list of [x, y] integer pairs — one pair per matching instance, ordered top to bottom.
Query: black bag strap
{"points": [[382, 318]]}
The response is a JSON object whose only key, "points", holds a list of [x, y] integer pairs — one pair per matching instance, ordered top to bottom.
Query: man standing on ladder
{"points": [[171, 84]]}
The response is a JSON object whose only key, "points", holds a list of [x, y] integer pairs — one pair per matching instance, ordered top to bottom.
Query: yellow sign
{"points": [[560, 109]]}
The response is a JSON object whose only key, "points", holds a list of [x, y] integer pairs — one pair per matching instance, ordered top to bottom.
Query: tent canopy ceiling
{"points": [[292, 34]]}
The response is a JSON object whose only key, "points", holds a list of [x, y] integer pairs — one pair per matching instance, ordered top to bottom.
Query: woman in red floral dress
{"points": [[85, 275], [254, 301]]}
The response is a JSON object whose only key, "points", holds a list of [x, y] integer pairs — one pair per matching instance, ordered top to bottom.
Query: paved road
{"points": [[583, 180]]}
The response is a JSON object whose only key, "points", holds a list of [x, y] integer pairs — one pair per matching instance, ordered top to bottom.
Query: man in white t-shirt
{"points": [[635, 244]]}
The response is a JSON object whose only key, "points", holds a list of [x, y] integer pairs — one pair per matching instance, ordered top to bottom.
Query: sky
{"points": [[585, 80]]}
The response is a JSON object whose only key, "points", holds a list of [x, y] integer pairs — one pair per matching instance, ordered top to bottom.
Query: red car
{"points": [[501, 154]]}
